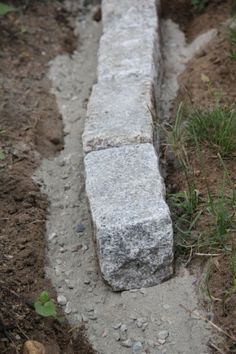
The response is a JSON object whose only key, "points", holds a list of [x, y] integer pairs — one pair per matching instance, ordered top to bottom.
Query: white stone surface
{"points": [[129, 14], [129, 54], [119, 114], [132, 225]]}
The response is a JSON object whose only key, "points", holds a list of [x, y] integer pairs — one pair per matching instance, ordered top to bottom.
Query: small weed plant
{"points": [[199, 4], [5, 9], [232, 40], [215, 126], [44, 305]]}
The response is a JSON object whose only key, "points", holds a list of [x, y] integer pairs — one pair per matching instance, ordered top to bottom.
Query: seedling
{"points": [[199, 4], [5, 9], [44, 305]]}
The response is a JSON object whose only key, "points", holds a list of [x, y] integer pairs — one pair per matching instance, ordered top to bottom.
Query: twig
{"points": [[207, 254], [189, 258], [219, 329], [22, 332], [212, 345]]}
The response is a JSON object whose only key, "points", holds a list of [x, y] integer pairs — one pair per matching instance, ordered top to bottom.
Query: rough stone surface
{"points": [[129, 14], [128, 54], [119, 114], [131, 219]]}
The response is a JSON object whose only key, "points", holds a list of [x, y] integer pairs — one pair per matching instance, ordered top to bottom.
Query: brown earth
{"points": [[214, 62], [31, 128]]}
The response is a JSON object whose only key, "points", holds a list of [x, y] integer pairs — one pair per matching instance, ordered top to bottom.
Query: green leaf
{"points": [[4, 9], [2, 155], [44, 297], [46, 310]]}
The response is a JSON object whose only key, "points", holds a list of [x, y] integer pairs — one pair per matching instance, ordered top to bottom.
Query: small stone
{"points": [[80, 228], [52, 236], [84, 248], [87, 281], [143, 291], [61, 299], [166, 307], [68, 308], [92, 316], [133, 317], [84, 318], [140, 321], [117, 326], [144, 326], [123, 328], [123, 332], [104, 333], [117, 336], [162, 336], [126, 343], [151, 343], [33, 347], [137, 348]]}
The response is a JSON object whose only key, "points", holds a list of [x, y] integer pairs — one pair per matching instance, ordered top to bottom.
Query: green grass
{"points": [[232, 35], [214, 126]]}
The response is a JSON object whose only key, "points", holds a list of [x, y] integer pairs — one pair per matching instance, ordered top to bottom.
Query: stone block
{"points": [[129, 14], [130, 54], [119, 114], [132, 225]]}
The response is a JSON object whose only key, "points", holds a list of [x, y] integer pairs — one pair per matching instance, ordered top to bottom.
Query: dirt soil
{"points": [[214, 62], [31, 128]]}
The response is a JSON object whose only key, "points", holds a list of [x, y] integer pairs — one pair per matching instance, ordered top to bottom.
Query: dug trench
{"points": [[207, 81], [31, 129]]}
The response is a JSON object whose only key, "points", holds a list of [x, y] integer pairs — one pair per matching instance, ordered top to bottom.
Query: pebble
{"points": [[80, 228], [52, 236], [84, 248], [86, 281], [61, 299], [166, 307], [68, 308], [92, 316], [84, 318], [140, 321], [117, 326], [144, 326], [123, 332], [117, 336], [162, 336], [126, 343], [151, 343], [33, 347], [137, 347]]}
